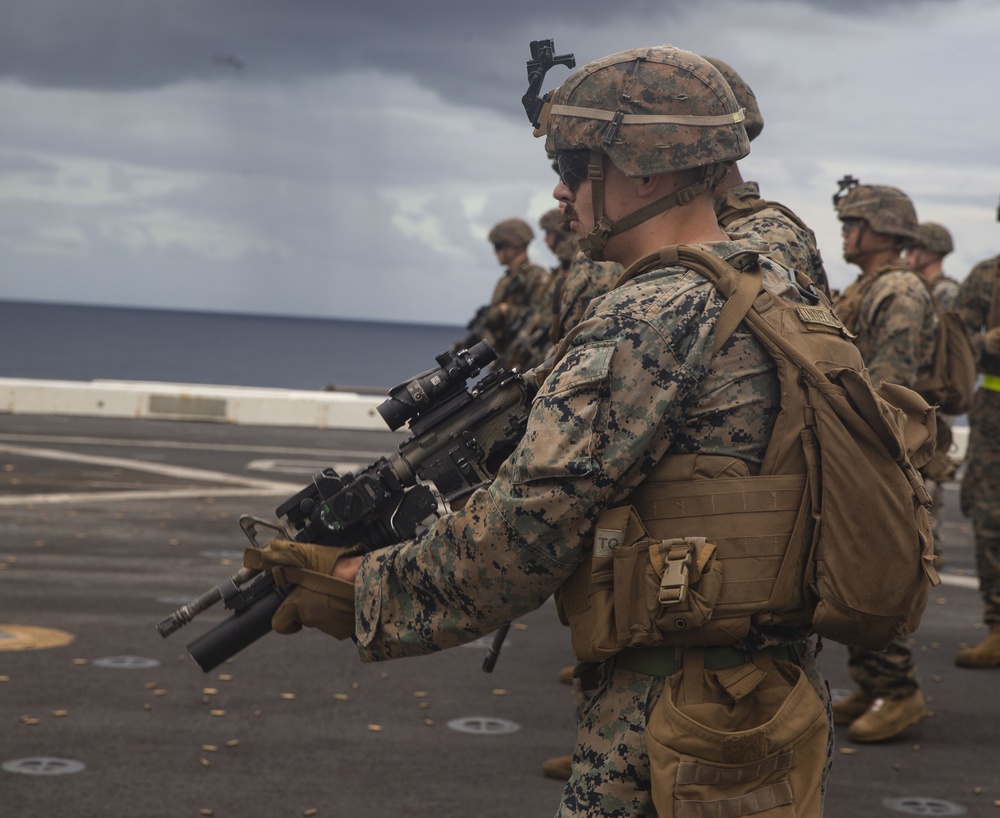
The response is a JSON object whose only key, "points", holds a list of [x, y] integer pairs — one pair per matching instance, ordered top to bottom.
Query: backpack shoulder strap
{"points": [[740, 291]]}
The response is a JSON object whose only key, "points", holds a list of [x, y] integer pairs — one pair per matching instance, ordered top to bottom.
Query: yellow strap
{"points": [[991, 382]]}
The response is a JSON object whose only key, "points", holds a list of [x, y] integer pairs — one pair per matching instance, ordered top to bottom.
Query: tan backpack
{"points": [[952, 379], [859, 556], [871, 562]]}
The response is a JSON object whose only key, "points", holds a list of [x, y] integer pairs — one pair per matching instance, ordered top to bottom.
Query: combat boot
{"points": [[985, 654], [848, 709], [888, 717], [559, 767]]}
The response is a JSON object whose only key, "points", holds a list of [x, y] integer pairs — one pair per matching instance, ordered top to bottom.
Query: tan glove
{"points": [[991, 341], [319, 600]]}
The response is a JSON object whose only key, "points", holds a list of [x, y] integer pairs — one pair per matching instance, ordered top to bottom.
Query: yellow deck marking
{"points": [[29, 637]]}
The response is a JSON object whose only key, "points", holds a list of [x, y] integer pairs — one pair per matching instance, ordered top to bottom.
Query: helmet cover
{"points": [[650, 110], [886, 209], [512, 231], [934, 238]]}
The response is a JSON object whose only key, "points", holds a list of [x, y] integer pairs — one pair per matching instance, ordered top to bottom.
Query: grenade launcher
{"points": [[459, 437]]}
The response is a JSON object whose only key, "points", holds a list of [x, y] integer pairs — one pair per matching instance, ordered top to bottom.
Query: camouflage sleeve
{"points": [[897, 345], [602, 419]]}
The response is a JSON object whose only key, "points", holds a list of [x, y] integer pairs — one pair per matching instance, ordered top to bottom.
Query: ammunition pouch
{"points": [[691, 561]]}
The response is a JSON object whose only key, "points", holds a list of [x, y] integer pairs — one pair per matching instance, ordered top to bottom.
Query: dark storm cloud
{"points": [[464, 50]]}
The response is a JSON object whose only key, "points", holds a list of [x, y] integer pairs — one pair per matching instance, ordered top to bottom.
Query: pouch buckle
{"points": [[676, 576]]}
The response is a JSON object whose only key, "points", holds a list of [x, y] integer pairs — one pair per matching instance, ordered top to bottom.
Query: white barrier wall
{"points": [[169, 401], [224, 404]]}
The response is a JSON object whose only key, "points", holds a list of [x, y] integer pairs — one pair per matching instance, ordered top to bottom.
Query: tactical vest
{"points": [[703, 548]]}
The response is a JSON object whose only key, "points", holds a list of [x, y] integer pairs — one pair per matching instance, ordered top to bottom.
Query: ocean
{"points": [[84, 343]]}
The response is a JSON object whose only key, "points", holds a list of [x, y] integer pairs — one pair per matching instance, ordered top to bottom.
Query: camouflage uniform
{"points": [[740, 209], [793, 245], [585, 280], [944, 290], [512, 301], [893, 317], [530, 345], [636, 380], [980, 493]]}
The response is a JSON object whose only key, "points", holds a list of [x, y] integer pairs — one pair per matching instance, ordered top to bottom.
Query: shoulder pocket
{"points": [[568, 418]]}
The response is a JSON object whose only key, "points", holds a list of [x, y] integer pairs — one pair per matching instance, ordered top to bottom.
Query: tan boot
{"points": [[985, 654], [566, 675], [847, 710], [888, 717], [559, 767]]}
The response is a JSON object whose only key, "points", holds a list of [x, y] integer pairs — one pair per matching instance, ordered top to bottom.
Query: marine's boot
{"points": [[985, 654], [566, 675], [848, 709], [888, 717], [559, 767]]}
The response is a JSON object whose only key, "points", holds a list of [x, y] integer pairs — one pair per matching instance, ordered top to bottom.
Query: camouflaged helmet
{"points": [[745, 98], [651, 110], [886, 210], [554, 220], [512, 231], [934, 238]]}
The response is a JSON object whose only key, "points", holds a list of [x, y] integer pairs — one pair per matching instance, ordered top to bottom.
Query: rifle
{"points": [[459, 437]]}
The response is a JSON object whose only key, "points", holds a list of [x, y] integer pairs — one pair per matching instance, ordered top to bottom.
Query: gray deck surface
{"points": [[83, 552]]}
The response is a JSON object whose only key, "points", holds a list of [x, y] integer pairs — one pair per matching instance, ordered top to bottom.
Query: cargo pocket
{"points": [[745, 741]]}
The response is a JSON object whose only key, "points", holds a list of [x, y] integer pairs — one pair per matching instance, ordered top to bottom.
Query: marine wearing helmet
{"points": [[647, 111], [884, 209]]}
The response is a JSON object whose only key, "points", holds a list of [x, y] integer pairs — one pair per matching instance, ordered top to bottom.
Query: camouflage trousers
{"points": [[980, 496], [889, 673], [611, 775]]}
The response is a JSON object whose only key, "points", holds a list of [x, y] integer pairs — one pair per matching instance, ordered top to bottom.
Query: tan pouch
{"points": [[636, 590], [749, 740]]}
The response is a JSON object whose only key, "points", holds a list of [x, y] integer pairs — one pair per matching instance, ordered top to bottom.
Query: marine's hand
{"points": [[991, 341], [278, 552], [347, 569], [320, 600]]}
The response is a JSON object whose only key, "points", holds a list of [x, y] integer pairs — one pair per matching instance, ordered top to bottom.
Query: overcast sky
{"points": [[336, 159]]}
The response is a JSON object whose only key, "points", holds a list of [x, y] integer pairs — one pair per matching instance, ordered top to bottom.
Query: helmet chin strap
{"points": [[594, 242], [856, 255]]}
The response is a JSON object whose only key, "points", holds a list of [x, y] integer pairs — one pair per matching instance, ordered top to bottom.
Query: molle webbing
{"points": [[751, 519]]}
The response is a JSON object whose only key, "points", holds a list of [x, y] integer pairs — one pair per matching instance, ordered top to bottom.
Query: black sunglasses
{"points": [[572, 167]]}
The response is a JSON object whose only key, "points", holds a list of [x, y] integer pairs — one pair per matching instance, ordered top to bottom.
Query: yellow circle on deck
{"points": [[29, 637]]}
